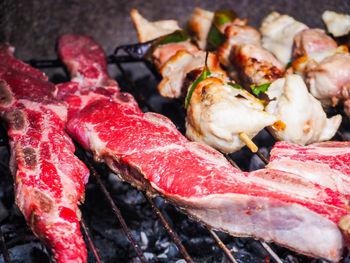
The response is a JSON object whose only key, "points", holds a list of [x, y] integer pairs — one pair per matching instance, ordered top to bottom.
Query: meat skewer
{"points": [[218, 114], [301, 117], [146, 150], [49, 178]]}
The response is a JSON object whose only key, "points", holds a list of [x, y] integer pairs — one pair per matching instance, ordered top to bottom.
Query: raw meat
{"points": [[146, 150], [325, 163], [49, 178]]}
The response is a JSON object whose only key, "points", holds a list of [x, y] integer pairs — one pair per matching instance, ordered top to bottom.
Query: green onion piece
{"points": [[222, 17], [175, 37], [215, 37], [289, 64], [205, 74], [234, 85], [261, 88]]}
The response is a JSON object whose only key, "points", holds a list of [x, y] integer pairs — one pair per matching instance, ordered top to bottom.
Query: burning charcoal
{"points": [[255, 162], [134, 197], [3, 212], [172, 251], [29, 253]]}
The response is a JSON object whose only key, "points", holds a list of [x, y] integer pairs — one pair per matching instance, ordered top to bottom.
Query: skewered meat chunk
{"points": [[200, 22], [337, 24], [153, 30], [278, 33], [237, 35], [310, 41], [329, 81], [222, 112], [304, 120], [146, 150], [49, 179]]}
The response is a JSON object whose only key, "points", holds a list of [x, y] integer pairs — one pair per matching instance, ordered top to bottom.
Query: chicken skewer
{"points": [[316, 56], [218, 113], [302, 119]]}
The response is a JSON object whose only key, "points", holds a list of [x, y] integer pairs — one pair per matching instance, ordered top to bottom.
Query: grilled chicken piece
{"points": [[200, 23], [337, 24], [152, 30], [278, 33], [237, 35], [311, 41], [163, 53], [257, 65], [325, 67], [177, 71], [329, 81], [218, 113], [302, 116], [49, 179], [266, 204]]}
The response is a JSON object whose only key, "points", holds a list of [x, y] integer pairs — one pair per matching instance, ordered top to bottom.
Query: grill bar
{"points": [[116, 210], [173, 235], [91, 243], [222, 246], [5, 252], [271, 252]]}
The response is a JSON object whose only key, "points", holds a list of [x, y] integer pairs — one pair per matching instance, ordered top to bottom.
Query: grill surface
{"points": [[110, 25]]}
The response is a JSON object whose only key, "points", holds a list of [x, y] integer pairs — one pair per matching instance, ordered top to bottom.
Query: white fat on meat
{"points": [[200, 23], [337, 24], [147, 30], [278, 33], [175, 70], [329, 81], [218, 113], [303, 119], [287, 224]]}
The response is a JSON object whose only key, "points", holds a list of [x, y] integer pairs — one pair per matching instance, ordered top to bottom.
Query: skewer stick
{"points": [[251, 145]]}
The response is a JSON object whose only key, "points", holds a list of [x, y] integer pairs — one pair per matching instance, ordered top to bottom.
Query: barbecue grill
{"points": [[120, 223]]}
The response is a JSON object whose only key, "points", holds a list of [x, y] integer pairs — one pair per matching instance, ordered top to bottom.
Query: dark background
{"points": [[33, 26]]}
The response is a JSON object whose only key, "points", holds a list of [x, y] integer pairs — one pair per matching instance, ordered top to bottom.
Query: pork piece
{"points": [[337, 24], [152, 30], [278, 32], [310, 41], [329, 81], [218, 113], [304, 120], [146, 150], [325, 163], [49, 179]]}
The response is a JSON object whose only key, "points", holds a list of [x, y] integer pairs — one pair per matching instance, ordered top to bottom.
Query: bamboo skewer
{"points": [[250, 144]]}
